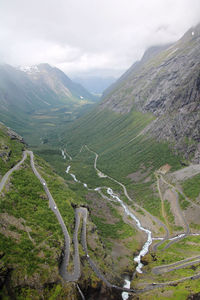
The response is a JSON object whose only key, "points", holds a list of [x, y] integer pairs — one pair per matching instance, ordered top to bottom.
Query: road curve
{"points": [[6, 176], [83, 211], [187, 232], [177, 265], [63, 269], [75, 275]]}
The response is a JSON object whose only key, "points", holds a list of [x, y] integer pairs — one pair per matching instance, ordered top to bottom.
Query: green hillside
{"points": [[38, 102], [122, 150], [31, 240]]}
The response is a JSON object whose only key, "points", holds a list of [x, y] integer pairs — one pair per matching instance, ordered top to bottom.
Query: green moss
{"points": [[191, 187]]}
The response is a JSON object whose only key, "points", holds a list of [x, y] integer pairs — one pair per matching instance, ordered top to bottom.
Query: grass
{"points": [[109, 134], [12, 149], [191, 187], [144, 195], [26, 199], [184, 204], [170, 216], [195, 226], [119, 230], [185, 248], [177, 251]]}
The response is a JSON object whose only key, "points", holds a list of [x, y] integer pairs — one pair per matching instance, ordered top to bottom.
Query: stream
{"points": [[63, 154], [147, 244], [145, 248]]}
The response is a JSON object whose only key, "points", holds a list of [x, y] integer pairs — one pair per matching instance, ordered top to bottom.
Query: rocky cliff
{"points": [[166, 82]]}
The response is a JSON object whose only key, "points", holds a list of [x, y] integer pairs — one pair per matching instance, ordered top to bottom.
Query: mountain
{"points": [[136, 65], [46, 76], [165, 83], [94, 84], [30, 88], [162, 90], [39, 97], [143, 141], [127, 172]]}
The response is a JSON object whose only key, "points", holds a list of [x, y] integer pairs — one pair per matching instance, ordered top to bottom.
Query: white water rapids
{"points": [[63, 154], [149, 241], [145, 247], [127, 285]]}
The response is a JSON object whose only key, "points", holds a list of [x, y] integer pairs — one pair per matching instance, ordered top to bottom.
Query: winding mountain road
{"points": [[6, 176], [179, 211], [79, 212], [82, 212], [177, 265], [67, 276], [74, 276], [152, 286]]}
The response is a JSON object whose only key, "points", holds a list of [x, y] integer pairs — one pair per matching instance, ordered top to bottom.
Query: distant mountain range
{"points": [[57, 81], [95, 84], [28, 88], [26, 92]]}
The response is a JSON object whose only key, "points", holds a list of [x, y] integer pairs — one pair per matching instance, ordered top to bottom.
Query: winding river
{"points": [[147, 244], [145, 248]]}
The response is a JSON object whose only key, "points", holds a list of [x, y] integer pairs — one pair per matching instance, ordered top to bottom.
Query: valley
{"points": [[101, 200], [74, 276]]}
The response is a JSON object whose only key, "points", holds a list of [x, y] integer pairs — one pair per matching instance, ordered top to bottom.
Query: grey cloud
{"points": [[91, 35]]}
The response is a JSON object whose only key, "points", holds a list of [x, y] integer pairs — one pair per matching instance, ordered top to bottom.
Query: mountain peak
{"points": [[29, 69]]}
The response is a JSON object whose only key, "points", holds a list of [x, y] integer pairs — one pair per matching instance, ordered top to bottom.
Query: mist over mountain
{"points": [[166, 83], [95, 85], [26, 91]]}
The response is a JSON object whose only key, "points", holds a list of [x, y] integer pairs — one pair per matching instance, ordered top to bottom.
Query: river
{"points": [[147, 244]]}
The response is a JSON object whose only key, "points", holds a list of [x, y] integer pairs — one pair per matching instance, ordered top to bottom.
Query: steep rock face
{"points": [[57, 81], [167, 84]]}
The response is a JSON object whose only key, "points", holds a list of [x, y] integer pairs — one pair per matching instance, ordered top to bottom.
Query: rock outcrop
{"points": [[166, 83]]}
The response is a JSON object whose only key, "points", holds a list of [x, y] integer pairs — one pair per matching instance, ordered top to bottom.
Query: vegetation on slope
{"points": [[10, 150], [122, 152], [191, 187]]}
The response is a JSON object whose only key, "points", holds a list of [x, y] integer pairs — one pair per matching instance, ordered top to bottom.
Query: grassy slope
{"points": [[42, 126], [109, 134], [11, 151], [191, 187], [30, 236], [174, 253], [35, 262]]}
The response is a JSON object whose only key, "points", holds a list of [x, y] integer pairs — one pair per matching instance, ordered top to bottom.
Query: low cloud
{"points": [[90, 36]]}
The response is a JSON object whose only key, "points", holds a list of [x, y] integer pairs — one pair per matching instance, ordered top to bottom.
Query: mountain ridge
{"points": [[57, 80], [166, 85]]}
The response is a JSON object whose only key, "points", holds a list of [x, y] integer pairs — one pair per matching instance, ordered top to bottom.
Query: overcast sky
{"points": [[102, 37]]}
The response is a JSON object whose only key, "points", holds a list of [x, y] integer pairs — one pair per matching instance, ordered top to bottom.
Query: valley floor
{"points": [[166, 264]]}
